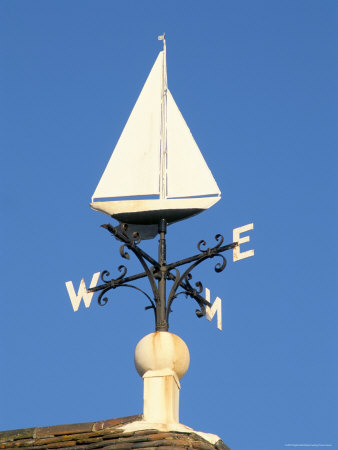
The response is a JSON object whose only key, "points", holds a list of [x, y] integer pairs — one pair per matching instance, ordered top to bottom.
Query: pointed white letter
{"points": [[236, 233], [87, 296], [215, 307]]}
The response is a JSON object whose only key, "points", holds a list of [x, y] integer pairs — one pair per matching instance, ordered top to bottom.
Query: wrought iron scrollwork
{"points": [[219, 267], [159, 272], [105, 273]]}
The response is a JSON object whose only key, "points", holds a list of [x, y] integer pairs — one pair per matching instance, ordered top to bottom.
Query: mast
{"points": [[163, 144]]}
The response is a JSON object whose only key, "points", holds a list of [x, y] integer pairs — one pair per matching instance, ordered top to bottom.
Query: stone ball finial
{"points": [[162, 351]]}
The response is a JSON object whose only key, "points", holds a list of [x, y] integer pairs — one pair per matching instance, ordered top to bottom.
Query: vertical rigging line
{"points": [[163, 156]]}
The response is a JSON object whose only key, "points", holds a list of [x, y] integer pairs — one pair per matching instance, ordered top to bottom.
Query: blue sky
{"points": [[257, 84]]}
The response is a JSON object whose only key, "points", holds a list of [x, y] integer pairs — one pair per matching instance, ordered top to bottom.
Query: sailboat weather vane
{"points": [[157, 190]]}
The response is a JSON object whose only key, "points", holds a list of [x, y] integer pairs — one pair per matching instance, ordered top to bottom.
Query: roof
{"points": [[107, 434]]}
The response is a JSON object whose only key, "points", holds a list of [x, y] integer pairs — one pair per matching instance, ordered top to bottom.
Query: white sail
{"points": [[157, 156], [133, 168], [187, 172]]}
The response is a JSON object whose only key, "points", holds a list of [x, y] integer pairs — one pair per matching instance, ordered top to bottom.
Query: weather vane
{"points": [[155, 177]]}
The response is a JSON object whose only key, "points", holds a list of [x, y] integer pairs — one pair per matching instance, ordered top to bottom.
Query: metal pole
{"points": [[161, 322]]}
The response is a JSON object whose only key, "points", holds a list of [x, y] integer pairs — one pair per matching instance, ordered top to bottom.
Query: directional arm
{"points": [[212, 251], [117, 282]]}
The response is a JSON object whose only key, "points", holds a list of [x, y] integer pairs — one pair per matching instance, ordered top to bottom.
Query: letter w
{"points": [[82, 292], [216, 307]]}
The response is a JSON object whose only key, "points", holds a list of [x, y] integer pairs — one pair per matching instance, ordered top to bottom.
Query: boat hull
{"points": [[151, 211]]}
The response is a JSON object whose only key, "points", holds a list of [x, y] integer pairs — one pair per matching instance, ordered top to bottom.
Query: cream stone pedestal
{"points": [[162, 359]]}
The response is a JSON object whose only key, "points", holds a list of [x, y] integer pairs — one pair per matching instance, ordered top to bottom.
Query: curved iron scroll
{"points": [[104, 300]]}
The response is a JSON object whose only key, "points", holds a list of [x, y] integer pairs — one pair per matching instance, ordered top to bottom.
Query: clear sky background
{"points": [[256, 82]]}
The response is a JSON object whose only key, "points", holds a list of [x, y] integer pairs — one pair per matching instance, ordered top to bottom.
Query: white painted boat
{"points": [[156, 170]]}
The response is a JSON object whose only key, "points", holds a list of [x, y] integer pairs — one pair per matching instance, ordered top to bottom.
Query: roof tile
{"points": [[113, 422], [56, 430], [12, 435]]}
